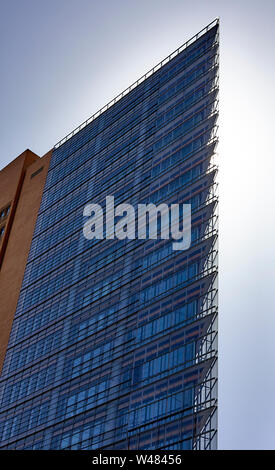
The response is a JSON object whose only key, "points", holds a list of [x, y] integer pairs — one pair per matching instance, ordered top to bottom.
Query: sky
{"points": [[62, 60]]}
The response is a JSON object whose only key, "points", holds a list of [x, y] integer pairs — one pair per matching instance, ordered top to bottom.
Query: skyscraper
{"points": [[113, 343]]}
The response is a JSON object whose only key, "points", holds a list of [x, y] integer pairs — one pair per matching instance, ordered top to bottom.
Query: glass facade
{"points": [[114, 342]]}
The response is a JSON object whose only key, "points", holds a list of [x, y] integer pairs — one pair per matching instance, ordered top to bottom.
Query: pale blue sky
{"points": [[61, 60]]}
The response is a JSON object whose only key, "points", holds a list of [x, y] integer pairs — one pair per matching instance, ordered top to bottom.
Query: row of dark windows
{"points": [[63, 229], [71, 247], [33, 295], [37, 414]]}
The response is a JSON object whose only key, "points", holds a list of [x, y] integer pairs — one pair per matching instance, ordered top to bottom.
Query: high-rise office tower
{"points": [[113, 343]]}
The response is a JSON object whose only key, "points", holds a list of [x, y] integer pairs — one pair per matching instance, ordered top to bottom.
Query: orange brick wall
{"points": [[24, 193]]}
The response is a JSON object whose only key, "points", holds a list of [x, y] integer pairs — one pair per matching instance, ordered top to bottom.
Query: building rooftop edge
{"points": [[137, 82], [23, 155]]}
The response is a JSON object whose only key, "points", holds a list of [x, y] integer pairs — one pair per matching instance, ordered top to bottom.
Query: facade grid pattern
{"points": [[114, 343]]}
